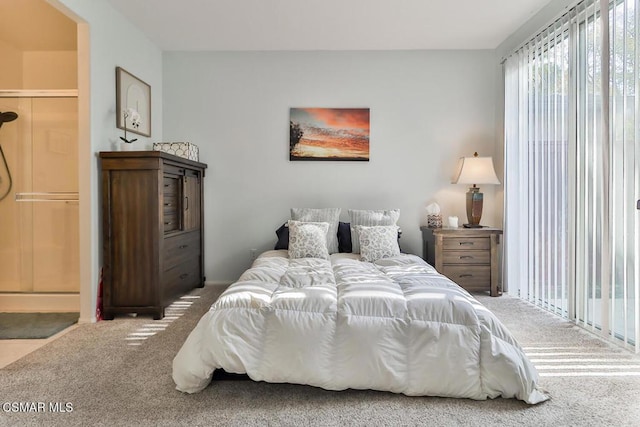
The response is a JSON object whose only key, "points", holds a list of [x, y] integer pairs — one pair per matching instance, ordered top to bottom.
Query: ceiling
{"points": [[327, 24], [30, 25]]}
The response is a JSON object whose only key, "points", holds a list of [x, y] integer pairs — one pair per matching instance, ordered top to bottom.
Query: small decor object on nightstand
{"points": [[475, 170], [434, 219]]}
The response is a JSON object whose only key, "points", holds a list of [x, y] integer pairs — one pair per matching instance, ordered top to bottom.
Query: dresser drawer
{"points": [[170, 185], [170, 198], [170, 204], [171, 223], [466, 243], [181, 248], [467, 257], [181, 278], [472, 278]]}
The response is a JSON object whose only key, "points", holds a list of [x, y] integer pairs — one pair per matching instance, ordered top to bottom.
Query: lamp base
{"points": [[474, 207], [472, 226]]}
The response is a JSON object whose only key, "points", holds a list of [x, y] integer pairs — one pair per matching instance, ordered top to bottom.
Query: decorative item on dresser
{"points": [[182, 149], [152, 215], [468, 256]]}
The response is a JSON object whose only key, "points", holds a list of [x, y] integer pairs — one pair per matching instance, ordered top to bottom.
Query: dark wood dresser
{"points": [[152, 221], [468, 256]]}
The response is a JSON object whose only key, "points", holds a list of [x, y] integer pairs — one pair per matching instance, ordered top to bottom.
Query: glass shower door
{"points": [[10, 229], [39, 232]]}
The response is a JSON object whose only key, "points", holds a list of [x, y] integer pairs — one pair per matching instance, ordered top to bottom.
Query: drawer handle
{"points": [[167, 185], [187, 203], [167, 204], [168, 223], [466, 243], [183, 246], [466, 257], [465, 275], [184, 276]]}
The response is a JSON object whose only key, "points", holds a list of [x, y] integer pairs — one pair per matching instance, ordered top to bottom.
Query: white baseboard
{"points": [[39, 303]]}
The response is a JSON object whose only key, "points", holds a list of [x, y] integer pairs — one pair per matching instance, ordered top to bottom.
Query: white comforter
{"points": [[394, 325]]}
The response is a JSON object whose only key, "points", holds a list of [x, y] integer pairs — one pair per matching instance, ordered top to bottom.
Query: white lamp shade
{"points": [[476, 170]]}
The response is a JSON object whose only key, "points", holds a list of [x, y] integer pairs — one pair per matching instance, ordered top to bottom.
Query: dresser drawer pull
{"points": [[186, 203], [167, 204], [168, 223], [466, 243], [183, 246], [466, 257], [465, 275], [184, 276]]}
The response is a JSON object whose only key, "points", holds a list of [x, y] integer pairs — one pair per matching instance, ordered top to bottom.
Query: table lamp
{"points": [[475, 170]]}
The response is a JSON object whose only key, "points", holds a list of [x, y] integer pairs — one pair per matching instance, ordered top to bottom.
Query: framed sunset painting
{"points": [[329, 134]]}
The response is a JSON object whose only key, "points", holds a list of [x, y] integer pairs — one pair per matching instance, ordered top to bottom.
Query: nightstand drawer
{"points": [[466, 243], [466, 257], [469, 257], [472, 278]]}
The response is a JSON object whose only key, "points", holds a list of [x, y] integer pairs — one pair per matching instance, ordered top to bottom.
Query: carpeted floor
{"points": [[29, 326], [118, 373]]}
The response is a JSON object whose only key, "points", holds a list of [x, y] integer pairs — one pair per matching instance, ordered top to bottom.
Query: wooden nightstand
{"points": [[468, 256]]}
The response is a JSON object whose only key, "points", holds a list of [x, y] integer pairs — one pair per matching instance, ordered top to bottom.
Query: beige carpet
{"points": [[118, 373]]}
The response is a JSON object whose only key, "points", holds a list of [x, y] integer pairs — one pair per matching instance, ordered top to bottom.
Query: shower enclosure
{"points": [[39, 236]]}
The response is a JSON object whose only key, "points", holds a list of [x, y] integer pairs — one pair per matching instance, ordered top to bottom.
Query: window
{"points": [[572, 156]]}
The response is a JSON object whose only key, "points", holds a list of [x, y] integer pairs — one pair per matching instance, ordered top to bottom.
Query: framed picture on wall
{"points": [[133, 103], [329, 134]]}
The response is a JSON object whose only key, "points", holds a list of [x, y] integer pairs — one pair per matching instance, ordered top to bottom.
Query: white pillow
{"points": [[328, 215], [369, 218], [308, 239], [378, 241]]}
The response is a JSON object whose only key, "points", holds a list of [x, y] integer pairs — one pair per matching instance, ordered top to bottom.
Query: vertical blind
{"points": [[537, 150], [572, 169], [620, 312]]}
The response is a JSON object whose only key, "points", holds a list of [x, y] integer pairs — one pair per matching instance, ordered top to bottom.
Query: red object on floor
{"points": [[99, 302]]}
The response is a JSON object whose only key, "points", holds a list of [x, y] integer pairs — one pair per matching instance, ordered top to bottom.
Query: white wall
{"points": [[113, 41], [117, 42], [428, 108]]}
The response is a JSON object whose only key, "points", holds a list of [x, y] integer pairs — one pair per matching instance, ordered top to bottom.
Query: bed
{"points": [[394, 325]]}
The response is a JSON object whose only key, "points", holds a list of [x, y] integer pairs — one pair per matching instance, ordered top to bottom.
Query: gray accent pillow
{"points": [[328, 215], [369, 218], [308, 239], [378, 241]]}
